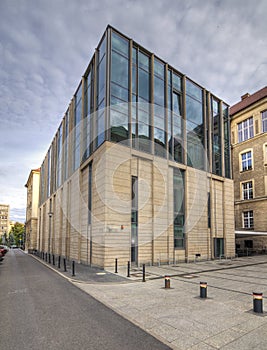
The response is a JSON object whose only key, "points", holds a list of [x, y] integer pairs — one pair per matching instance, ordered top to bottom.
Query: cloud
{"points": [[45, 47]]}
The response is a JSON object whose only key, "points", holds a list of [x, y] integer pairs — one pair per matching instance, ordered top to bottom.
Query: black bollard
{"points": [[46, 257], [49, 258], [59, 258], [53, 259], [64, 263], [116, 265], [73, 268], [128, 269], [144, 273], [167, 282], [203, 289], [257, 303]]}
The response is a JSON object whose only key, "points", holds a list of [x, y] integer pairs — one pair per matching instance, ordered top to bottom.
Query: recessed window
{"points": [[264, 121], [245, 129], [246, 159], [247, 190], [248, 221]]}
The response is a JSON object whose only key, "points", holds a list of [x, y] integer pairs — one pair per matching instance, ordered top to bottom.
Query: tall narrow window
{"points": [[101, 94], [119, 95], [159, 108], [264, 121], [226, 123], [194, 125], [77, 127], [245, 129], [216, 137], [87, 141], [66, 146], [59, 156], [49, 172], [247, 190], [90, 194], [178, 208], [134, 220], [248, 221]]}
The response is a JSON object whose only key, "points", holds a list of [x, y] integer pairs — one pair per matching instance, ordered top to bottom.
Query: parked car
{"points": [[14, 246], [4, 248], [2, 251], [1, 256]]}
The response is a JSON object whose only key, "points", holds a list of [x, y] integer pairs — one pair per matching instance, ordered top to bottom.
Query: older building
{"points": [[249, 152], [139, 168], [4, 222], [31, 223]]}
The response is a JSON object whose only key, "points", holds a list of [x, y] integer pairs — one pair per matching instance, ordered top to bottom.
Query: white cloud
{"points": [[45, 47]]}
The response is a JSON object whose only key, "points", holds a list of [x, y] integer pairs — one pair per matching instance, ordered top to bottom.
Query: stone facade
{"points": [[251, 106], [4, 221], [31, 224], [108, 236]]}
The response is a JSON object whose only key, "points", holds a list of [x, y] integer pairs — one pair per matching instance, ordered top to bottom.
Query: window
{"points": [[264, 121], [245, 129], [265, 153], [246, 159], [247, 190], [178, 208], [248, 221]]}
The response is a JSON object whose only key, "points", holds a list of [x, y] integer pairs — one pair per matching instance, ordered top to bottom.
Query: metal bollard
{"points": [[46, 257], [49, 258], [59, 258], [53, 259], [64, 263], [116, 265], [73, 268], [128, 269], [144, 273], [167, 282], [203, 289], [257, 303]]}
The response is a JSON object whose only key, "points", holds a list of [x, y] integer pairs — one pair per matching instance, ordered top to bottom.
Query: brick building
{"points": [[249, 152], [139, 168], [4, 222]]}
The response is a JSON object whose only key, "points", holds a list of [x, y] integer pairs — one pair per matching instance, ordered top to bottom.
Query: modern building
{"points": [[249, 152], [139, 168], [4, 222], [31, 223]]}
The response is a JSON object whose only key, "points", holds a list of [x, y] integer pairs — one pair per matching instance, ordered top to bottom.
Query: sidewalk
{"points": [[178, 316]]}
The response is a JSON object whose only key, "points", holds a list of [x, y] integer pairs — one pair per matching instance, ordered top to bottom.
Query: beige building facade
{"points": [[249, 152], [139, 168], [4, 222], [31, 223]]}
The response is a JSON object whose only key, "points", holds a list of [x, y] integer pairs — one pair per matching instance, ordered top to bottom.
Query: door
{"points": [[218, 247]]}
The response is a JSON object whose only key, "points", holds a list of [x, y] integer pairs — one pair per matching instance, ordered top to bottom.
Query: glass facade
{"points": [[169, 114]]}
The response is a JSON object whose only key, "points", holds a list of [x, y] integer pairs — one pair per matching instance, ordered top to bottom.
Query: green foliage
{"points": [[16, 234]]}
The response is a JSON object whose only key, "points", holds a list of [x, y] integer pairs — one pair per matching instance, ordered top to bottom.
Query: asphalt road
{"points": [[41, 310]]}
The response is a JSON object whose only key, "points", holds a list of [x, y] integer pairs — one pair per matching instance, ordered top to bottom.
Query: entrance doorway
{"points": [[218, 247]]}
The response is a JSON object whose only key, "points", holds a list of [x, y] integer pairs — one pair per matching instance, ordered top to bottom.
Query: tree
{"points": [[16, 234]]}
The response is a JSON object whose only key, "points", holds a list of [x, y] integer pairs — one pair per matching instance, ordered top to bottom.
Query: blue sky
{"points": [[46, 45]]}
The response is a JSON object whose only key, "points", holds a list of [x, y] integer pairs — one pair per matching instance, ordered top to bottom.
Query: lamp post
{"points": [[50, 214]]}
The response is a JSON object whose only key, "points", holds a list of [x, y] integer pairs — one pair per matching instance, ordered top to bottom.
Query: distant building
{"points": [[249, 152], [139, 168], [4, 221], [31, 223]]}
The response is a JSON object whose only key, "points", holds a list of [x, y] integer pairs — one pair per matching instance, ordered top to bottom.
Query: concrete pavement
{"points": [[178, 316]]}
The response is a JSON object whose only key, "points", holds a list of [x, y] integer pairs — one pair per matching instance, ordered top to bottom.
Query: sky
{"points": [[46, 45]]}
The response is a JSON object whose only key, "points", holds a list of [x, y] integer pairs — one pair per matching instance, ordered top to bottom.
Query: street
{"points": [[42, 310]]}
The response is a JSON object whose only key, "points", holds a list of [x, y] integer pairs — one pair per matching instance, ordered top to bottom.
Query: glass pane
{"points": [[120, 44], [102, 49], [143, 61], [159, 68], [119, 70], [176, 82], [144, 85], [193, 90], [159, 91], [119, 92], [177, 107], [194, 111]]}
